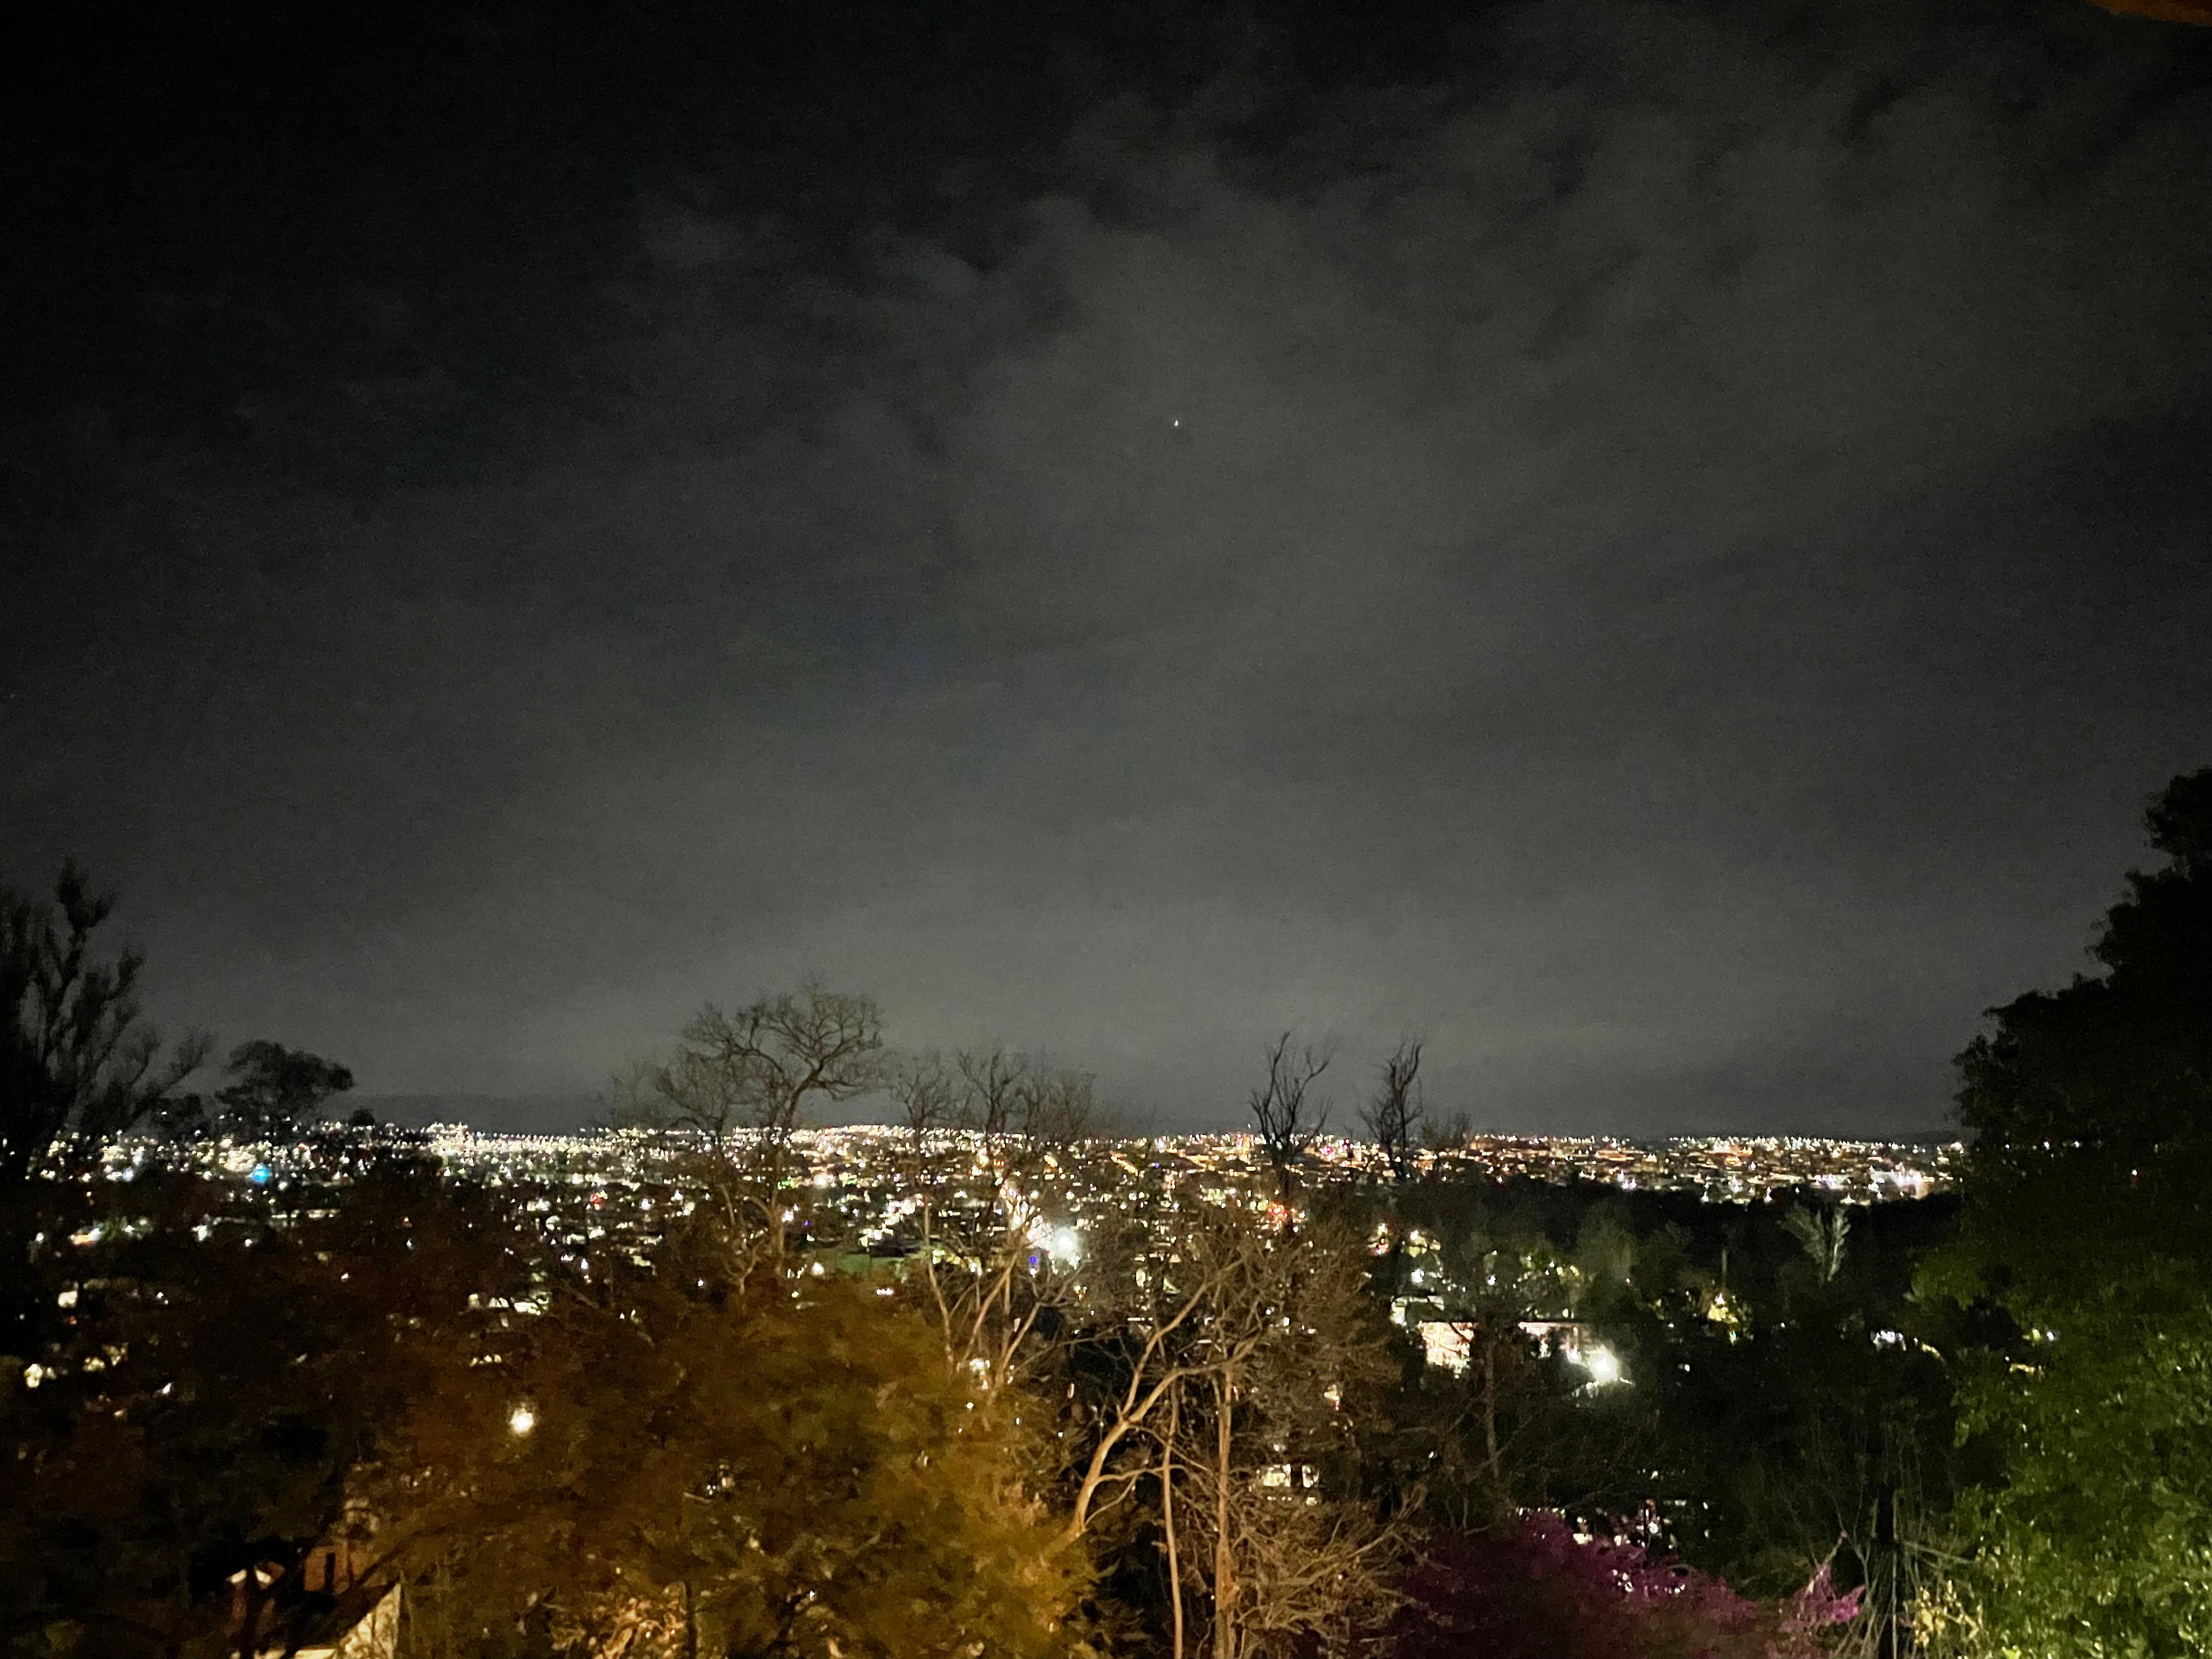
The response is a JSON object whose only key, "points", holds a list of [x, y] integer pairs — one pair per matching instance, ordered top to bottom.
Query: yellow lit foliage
{"points": [[776, 1465]]}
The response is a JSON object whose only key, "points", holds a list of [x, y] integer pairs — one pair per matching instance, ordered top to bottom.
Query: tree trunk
{"points": [[1490, 1414], [1166, 1517], [1224, 1553], [1892, 1587], [249, 1629]]}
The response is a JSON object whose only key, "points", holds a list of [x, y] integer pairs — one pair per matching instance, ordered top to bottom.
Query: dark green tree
{"points": [[2088, 1224]]}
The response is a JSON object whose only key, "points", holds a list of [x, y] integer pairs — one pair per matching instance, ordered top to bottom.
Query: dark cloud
{"points": [[1662, 545]]}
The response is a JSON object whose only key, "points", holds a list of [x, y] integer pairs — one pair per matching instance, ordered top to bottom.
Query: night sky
{"points": [[1661, 546]]}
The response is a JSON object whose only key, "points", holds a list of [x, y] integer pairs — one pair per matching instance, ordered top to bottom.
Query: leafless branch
{"points": [[1287, 1113]]}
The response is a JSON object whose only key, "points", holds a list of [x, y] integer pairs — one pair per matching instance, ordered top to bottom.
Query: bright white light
{"points": [[1065, 1243], [1604, 1365], [521, 1420]]}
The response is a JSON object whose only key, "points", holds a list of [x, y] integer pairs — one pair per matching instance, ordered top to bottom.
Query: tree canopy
{"points": [[2088, 1225], [769, 1466]]}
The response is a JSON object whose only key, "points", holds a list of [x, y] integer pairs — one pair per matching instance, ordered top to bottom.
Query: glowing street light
{"points": [[521, 1420]]}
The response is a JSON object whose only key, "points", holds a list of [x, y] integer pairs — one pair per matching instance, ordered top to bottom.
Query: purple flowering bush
{"points": [[1542, 1594]]}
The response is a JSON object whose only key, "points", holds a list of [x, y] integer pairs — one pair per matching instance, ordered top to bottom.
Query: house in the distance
{"points": [[323, 1609]]}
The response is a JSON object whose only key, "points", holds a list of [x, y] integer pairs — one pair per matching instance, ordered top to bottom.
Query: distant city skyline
{"points": [[564, 1114]]}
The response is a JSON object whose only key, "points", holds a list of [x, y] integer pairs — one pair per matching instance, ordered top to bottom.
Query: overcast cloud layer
{"points": [[1665, 556]]}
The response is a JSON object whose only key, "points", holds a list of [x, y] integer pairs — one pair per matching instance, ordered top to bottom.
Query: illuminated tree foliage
{"points": [[2089, 1223], [681, 1464]]}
